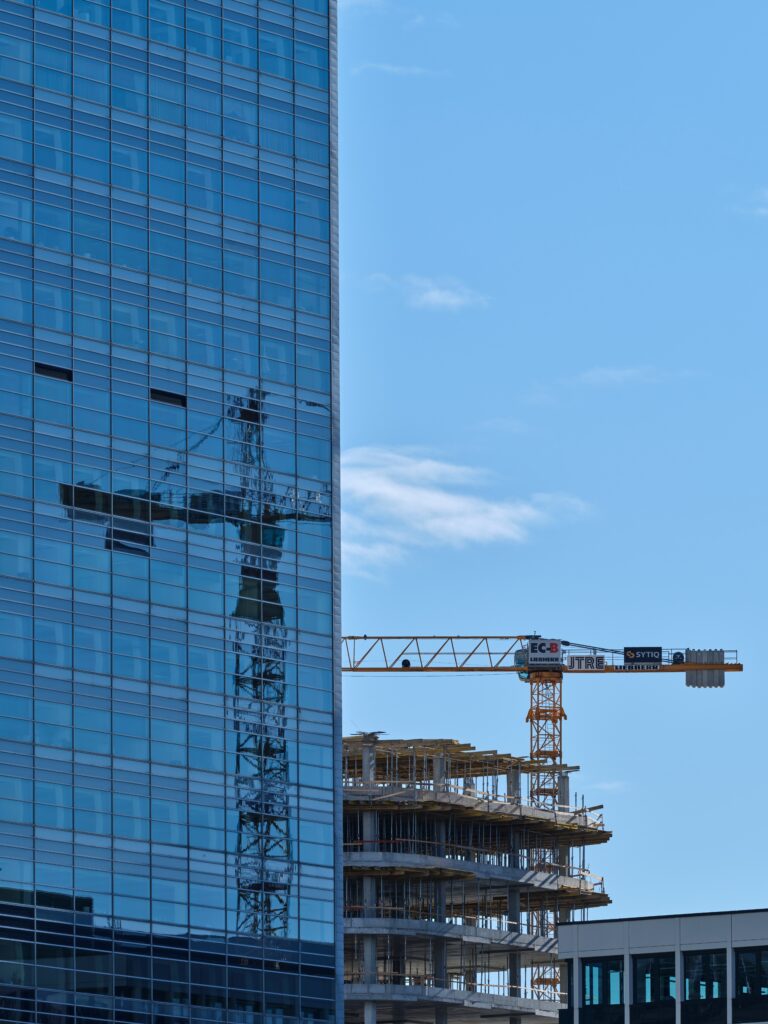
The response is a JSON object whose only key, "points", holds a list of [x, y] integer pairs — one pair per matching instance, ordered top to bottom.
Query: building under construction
{"points": [[454, 882]]}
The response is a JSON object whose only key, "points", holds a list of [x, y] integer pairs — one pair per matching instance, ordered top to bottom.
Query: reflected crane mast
{"points": [[257, 511], [265, 862]]}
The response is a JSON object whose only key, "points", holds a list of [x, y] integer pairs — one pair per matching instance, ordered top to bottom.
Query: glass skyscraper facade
{"points": [[168, 535]]}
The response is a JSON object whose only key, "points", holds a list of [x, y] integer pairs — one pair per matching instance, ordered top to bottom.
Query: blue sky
{"points": [[554, 325]]}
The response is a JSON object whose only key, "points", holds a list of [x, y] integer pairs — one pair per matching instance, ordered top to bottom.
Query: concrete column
{"points": [[369, 762], [438, 773], [513, 783], [564, 789], [370, 825], [370, 831], [441, 836], [514, 848], [563, 853], [513, 892], [513, 908], [369, 909], [513, 913], [439, 952], [439, 958], [439, 964], [370, 972], [514, 975], [369, 1013]]}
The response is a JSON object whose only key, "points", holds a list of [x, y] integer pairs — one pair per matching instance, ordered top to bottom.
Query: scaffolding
{"points": [[453, 882]]}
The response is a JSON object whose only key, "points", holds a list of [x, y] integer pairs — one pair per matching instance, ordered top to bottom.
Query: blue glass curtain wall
{"points": [[166, 550]]}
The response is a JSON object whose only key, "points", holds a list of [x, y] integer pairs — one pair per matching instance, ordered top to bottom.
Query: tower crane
{"points": [[542, 663]]}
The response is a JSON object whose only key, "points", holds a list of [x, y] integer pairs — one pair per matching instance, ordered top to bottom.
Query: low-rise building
{"points": [[690, 969]]}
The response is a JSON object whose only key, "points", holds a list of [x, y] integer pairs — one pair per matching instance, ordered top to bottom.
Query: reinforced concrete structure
{"points": [[453, 884]]}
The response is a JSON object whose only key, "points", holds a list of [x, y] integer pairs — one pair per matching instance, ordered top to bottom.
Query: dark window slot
{"points": [[57, 372], [169, 397], [704, 975], [655, 981], [602, 985], [703, 1011], [653, 1013]]}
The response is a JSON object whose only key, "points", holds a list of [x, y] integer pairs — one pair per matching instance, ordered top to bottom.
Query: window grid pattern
{"points": [[166, 627], [752, 972], [704, 975], [655, 979], [602, 982]]}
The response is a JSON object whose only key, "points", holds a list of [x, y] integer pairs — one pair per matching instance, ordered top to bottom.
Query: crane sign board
{"points": [[544, 653], [648, 657], [586, 662]]}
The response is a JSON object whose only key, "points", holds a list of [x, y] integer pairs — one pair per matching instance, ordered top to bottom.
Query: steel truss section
{"points": [[431, 653], [545, 718]]}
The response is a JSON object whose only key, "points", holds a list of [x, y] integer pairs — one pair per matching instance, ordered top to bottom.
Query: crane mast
{"points": [[542, 663], [545, 719]]}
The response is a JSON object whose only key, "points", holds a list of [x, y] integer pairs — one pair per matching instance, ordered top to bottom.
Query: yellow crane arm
{"points": [[507, 654], [542, 663]]}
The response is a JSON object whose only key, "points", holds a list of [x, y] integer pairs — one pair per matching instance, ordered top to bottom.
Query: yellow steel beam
{"points": [[493, 654], [686, 666]]}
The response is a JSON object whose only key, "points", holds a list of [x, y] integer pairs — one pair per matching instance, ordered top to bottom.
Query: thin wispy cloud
{"points": [[348, 5], [434, 18], [419, 20], [399, 70], [759, 205], [428, 293], [434, 294], [610, 376], [619, 376], [607, 377], [503, 425], [395, 501], [609, 786]]}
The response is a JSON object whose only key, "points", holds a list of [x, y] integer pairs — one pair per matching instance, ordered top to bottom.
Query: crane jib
{"points": [[542, 663]]}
